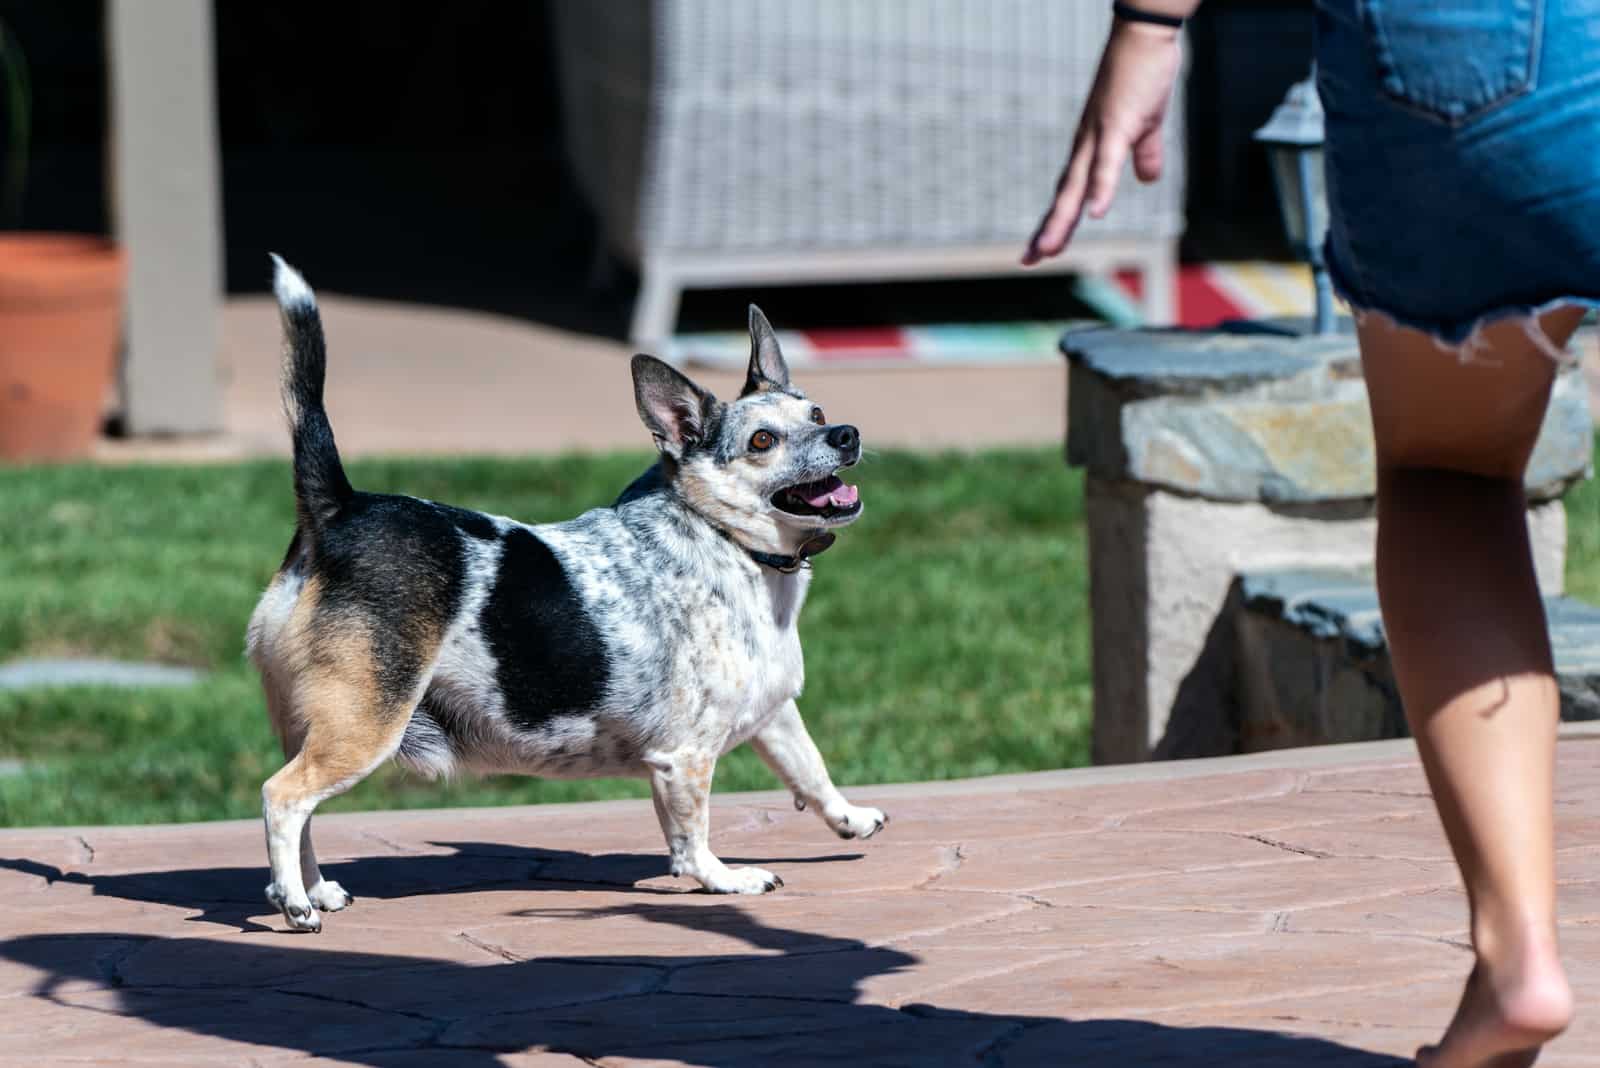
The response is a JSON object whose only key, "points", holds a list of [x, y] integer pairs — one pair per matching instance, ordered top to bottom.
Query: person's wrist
{"points": [[1151, 13], [1147, 19], [1145, 31]]}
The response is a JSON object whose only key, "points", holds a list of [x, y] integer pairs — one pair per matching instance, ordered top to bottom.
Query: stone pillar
{"points": [[167, 206], [1209, 455]]}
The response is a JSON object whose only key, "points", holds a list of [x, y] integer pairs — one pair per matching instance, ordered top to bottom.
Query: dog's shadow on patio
{"points": [[235, 895], [792, 997]]}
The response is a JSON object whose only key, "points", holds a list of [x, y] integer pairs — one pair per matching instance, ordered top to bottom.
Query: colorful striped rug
{"points": [[1208, 293]]}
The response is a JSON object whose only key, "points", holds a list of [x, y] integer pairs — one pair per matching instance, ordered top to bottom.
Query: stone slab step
{"points": [[1313, 662]]}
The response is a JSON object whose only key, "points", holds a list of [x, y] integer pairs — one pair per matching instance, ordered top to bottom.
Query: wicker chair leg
{"points": [[1160, 297], [655, 310]]}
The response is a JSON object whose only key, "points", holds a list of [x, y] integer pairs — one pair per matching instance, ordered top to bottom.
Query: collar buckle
{"points": [[788, 565]]}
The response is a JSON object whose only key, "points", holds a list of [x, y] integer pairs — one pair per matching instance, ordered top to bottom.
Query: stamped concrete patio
{"points": [[1293, 908]]}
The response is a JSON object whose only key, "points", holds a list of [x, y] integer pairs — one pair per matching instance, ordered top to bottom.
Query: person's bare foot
{"points": [[1507, 1013]]}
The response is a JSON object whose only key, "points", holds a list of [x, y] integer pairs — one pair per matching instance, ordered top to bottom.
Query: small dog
{"points": [[645, 639]]}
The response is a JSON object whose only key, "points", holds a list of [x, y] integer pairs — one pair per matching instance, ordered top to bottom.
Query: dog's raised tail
{"points": [[320, 485]]}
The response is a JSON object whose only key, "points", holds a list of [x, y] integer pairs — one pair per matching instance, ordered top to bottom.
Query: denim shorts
{"points": [[1463, 157]]}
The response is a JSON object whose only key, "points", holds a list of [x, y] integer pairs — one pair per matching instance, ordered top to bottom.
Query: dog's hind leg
{"points": [[350, 727], [786, 746], [331, 761], [680, 785], [325, 894]]}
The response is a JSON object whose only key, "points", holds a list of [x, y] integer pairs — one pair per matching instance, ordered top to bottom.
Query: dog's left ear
{"points": [[767, 367], [674, 409]]}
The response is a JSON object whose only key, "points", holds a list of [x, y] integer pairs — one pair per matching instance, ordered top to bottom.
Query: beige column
{"points": [[166, 204]]}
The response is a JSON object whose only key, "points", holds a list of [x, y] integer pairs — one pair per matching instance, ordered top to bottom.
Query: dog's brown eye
{"points": [[818, 418], [762, 440]]}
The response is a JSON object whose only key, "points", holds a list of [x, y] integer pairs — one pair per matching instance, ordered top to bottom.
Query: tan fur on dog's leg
{"points": [[349, 729], [328, 764], [680, 785], [325, 895]]}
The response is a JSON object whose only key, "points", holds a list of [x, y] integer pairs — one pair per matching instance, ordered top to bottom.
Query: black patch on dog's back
{"points": [[397, 564], [548, 651]]}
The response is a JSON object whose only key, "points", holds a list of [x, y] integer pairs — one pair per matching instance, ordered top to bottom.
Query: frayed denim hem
{"points": [[1464, 337]]}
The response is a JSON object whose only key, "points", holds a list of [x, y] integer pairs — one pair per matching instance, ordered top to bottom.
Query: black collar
{"points": [[788, 565]]}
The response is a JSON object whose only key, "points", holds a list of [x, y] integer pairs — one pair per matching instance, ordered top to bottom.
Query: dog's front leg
{"points": [[786, 746], [680, 784]]}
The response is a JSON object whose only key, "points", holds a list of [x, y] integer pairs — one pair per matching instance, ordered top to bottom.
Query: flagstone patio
{"points": [[1289, 908]]}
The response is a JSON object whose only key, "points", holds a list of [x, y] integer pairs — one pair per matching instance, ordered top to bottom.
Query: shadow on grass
{"points": [[792, 998]]}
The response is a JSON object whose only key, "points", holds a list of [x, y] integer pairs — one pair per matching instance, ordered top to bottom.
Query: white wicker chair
{"points": [[728, 142]]}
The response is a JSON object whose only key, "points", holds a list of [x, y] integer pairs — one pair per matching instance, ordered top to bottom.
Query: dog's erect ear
{"points": [[767, 369], [674, 409]]}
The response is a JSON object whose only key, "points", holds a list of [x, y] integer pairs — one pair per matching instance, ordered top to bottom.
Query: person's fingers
{"points": [[1111, 150], [1147, 155], [1055, 229]]}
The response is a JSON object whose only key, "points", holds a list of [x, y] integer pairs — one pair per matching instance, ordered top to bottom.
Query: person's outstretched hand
{"points": [[1122, 115]]}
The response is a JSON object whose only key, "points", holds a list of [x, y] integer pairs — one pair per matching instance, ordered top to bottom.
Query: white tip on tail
{"points": [[290, 288]]}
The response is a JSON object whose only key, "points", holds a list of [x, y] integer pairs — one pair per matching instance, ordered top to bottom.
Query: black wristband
{"points": [[1129, 13]]}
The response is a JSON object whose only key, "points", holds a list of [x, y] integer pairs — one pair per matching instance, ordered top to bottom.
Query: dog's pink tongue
{"points": [[830, 491]]}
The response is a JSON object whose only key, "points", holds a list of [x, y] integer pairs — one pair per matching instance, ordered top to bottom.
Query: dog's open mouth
{"points": [[828, 498]]}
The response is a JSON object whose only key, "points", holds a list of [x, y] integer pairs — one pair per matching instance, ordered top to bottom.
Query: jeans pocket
{"points": [[1453, 61]]}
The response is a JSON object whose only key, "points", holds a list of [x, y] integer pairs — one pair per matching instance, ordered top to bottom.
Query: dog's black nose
{"points": [[844, 437]]}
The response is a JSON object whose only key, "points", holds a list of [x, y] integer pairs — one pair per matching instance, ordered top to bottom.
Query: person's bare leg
{"points": [[1471, 653]]}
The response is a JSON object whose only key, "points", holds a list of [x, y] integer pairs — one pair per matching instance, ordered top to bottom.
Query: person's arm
{"points": [[1122, 116]]}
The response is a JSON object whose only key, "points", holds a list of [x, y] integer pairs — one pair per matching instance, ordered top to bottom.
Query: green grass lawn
{"points": [[1583, 541], [946, 634]]}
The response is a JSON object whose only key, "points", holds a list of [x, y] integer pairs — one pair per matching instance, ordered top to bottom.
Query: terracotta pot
{"points": [[60, 326]]}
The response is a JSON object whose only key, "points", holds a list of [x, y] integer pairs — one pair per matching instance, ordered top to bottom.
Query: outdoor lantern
{"points": [[1294, 137]]}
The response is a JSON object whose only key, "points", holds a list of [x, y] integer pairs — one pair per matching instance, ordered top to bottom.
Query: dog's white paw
{"points": [[856, 821], [741, 881], [329, 896], [298, 912]]}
